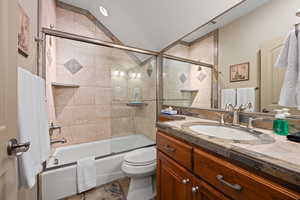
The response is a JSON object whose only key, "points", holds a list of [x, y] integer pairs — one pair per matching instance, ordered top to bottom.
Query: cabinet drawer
{"points": [[176, 149], [237, 182]]}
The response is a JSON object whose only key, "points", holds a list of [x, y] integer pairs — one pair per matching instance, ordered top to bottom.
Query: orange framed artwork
{"points": [[23, 34], [239, 72]]}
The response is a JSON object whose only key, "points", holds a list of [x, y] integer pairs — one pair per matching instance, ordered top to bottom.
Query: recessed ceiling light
{"points": [[103, 11], [298, 13]]}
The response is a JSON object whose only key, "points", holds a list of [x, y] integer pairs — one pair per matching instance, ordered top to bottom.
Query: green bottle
{"points": [[280, 124]]}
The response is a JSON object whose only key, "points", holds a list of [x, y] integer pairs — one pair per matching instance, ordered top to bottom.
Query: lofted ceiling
{"points": [[228, 17], [154, 24]]}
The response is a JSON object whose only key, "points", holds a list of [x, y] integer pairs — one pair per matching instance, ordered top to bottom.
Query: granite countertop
{"points": [[172, 117], [279, 158]]}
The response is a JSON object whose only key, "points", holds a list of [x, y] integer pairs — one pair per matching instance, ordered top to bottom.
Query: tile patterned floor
{"points": [[116, 190]]}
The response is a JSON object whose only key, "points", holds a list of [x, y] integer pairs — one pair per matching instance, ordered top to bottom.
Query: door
{"points": [[271, 77], [8, 96], [173, 181], [203, 191]]}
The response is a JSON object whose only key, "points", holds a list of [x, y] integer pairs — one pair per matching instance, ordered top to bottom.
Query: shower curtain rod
{"points": [[71, 36]]}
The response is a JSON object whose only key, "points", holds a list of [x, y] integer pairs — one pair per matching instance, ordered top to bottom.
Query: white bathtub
{"points": [[59, 178]]}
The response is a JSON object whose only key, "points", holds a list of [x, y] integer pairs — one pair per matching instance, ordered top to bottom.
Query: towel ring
{"points": [[14, 148]]}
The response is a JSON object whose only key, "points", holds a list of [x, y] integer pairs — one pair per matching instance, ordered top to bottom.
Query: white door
{"points": [[272, 77], [8, 96]]}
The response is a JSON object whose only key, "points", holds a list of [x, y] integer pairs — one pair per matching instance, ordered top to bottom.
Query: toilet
{"points": [[140, 165]]}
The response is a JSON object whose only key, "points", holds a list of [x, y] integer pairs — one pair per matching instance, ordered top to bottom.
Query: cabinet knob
{"points": [[169, 148], [185, 181], [195, 189]]}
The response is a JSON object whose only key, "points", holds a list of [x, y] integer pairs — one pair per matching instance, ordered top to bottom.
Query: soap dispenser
{"points": [[280, 124]]}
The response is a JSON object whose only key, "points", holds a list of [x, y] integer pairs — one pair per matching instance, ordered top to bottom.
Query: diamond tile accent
{"points": [[73, 66], [149, 70], [201, 76], [182, 78]]}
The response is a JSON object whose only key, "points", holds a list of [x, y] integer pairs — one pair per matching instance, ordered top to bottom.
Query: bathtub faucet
{"points": [[53, 127], [54, 141]]}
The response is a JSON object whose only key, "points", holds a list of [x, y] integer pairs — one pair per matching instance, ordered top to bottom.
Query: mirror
{"points": [[243, 46]]}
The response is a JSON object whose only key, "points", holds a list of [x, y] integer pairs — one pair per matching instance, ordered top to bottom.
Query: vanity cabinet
{"points": [[186, 172], [176, 183], [203, 191]]}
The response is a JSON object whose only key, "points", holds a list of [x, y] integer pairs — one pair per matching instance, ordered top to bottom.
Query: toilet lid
{"points": [[144, 156]]}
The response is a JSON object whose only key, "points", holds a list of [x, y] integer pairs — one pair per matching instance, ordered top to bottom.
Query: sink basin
{"points": [[223, 132], [229, 133]]}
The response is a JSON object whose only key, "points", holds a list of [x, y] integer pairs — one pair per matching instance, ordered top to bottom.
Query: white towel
{"points": [[289, 58], [39, 93], [228, 96], [245, 96], [33, 126], [29, 164], [86, 174]]}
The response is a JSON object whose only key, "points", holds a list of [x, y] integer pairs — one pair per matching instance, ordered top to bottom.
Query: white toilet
{"points": [[140, 166]]}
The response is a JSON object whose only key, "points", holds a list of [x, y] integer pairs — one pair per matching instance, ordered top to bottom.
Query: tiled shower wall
{"points": [[176, 76], [180, 76], [97, 109], [145, 117]]}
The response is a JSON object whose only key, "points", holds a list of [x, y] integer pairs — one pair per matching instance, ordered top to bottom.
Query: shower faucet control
{"points": [[53, 127]]}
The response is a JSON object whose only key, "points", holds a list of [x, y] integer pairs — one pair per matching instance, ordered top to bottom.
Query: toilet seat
{"points": [[141, 157], [140, 162]]}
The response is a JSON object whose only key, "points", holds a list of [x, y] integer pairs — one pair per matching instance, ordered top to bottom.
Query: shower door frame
{"points": [[158, 55]]}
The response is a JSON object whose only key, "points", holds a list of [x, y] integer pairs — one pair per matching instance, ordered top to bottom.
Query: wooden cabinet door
{"points": [[173, 181], [203, 191]]}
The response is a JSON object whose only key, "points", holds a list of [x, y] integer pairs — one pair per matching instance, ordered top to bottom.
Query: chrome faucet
{"points": [[236, 112], [236, 119], [222, 120], [251, 120], [53, 127], [54, 141]]}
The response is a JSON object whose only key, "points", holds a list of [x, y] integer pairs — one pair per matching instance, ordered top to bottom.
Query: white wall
{"points": [[240, 41]]}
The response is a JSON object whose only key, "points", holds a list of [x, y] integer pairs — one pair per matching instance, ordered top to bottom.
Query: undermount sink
{"points": [[222, 132], [227, 132]]}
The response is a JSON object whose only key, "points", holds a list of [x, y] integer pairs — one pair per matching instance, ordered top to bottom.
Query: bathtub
{"points": [[58, 179]]}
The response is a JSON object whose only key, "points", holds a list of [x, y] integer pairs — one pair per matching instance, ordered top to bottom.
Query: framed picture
{"points": [[23, 34], [239, 72]]}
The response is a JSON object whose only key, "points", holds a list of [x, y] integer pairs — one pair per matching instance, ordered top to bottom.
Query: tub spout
{"points": [[54, 141]]}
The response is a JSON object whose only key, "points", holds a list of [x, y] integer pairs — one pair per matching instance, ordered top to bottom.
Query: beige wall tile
{"points": [[65, 50], [63, 75], [86, 76], [103, 77], [63, 96], [84, 96], [103, 96], [121, 110], [103, 111], [84, 114], [64, 115], [122, 126], [90, 132]]}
